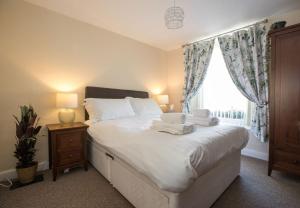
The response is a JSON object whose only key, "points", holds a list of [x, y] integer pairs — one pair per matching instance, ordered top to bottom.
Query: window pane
{"points": [[219, 94]]}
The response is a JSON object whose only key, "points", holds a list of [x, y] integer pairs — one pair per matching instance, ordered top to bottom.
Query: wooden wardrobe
{"points": [[285, 100]]}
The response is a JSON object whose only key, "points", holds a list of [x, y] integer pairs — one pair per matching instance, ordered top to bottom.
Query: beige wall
{"points": [[42, 52], [175, 65], [176, 74]]}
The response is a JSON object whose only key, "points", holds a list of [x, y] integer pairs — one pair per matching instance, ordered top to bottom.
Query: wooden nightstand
{"points": [[67, 146]]}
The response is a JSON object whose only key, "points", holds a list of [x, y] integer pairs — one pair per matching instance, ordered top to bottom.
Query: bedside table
{"points": [[67, 146]]}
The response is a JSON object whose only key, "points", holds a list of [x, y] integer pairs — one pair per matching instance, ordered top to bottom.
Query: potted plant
{"points": [[26, 130]]}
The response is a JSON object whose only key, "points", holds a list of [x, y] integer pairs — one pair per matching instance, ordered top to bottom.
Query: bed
{"points": [[133, 182]]}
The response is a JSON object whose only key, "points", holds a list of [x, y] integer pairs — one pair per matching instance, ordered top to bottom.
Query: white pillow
{"points": [[144, 106], [108, 109]]}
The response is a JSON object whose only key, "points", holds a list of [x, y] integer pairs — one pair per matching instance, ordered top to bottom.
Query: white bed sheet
{"points": [[172, 162]]}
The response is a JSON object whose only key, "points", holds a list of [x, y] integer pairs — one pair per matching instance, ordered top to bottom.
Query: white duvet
{"points": [[172, 162]]}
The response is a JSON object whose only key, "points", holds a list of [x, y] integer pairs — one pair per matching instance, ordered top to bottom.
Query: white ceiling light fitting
{"points": [[174, 17]]}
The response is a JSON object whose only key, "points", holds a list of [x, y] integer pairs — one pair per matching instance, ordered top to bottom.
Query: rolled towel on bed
{"points": [[202, 113], [173, 118], [210, 121], [177, 129]]}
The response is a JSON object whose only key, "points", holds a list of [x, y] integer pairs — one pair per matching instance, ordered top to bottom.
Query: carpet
{"points": [[80, 189]]}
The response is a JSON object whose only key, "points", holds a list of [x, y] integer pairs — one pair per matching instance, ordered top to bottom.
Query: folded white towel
{"points": [[203, 113], [173, 118], [210, 121], [178, 129]]}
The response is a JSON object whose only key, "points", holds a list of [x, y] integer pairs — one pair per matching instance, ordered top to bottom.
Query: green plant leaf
{"points": [[26, 130], [37, 130]]}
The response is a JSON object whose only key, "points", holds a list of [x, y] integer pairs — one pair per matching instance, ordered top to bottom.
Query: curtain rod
{"points": [[231, 31]]}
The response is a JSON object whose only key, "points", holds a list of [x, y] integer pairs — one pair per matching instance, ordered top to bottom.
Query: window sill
{"points": [[245, 126]]}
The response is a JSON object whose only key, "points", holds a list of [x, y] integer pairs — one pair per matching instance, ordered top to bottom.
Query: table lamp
{"points": [[163, 101], [67, 102]]}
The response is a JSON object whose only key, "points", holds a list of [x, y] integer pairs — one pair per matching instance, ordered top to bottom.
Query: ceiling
{"points": [[143, 20]]}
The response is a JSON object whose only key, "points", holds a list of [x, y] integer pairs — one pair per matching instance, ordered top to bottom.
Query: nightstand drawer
{"points": [[69, 141], [66, 158]]}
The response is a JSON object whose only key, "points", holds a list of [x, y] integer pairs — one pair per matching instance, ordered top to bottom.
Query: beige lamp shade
{"points": [[163, 99], [66, 100]]}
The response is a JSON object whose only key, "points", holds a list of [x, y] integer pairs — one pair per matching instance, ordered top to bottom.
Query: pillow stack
{"points": [[144, 106], [100, 109], [108, 109], [202, 117], [173, 123]]}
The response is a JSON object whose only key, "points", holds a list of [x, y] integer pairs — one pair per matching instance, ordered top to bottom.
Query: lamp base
{"points": [[164, 108], [66, 116]]}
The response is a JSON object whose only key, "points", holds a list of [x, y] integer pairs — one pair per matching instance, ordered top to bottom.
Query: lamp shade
{"points": [[163, 99], [66, 100]]}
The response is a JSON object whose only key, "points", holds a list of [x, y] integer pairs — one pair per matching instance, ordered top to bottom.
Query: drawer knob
{"points": [[71, 140], [70, 155], [296, 162]]}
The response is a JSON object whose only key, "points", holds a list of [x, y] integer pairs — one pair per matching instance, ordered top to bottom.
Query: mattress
{"points": [[172, 162]]}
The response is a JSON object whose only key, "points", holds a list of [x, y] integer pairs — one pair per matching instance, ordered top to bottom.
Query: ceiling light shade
{"points": [[174, 17]]}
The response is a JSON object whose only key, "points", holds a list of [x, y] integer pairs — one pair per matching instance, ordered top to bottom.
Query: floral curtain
{"points": [[245, 54], [196, 60]]}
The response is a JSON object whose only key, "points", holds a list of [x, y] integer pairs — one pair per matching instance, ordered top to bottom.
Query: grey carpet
{"points": [[79, 189]]}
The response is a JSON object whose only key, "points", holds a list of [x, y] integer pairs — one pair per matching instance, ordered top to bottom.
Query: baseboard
{"points": [[255, 154], [11, 173]]}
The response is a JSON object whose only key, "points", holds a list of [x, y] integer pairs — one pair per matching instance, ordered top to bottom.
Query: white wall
{"points": [[175, 61], [255, 146]]}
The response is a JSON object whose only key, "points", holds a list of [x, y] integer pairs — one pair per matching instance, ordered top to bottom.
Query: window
{"points": [[219, 94]]}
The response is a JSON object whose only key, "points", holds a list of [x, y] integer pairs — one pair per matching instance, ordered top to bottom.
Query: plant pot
{"points": [[26, 175]]}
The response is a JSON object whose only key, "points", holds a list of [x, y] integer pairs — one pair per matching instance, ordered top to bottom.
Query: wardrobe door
{"points": [[287, 92]]}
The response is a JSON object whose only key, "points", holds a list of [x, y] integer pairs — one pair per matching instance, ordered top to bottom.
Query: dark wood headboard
{"points": [[100, 92]]}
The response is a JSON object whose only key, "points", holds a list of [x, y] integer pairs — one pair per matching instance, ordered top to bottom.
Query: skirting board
{"points": [[255, 154], [11, 173]]}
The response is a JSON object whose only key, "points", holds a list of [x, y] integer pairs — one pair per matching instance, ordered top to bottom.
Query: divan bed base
{"points": [[143, 193]]}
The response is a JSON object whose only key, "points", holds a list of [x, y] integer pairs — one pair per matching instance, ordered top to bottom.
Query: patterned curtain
{"points": [[245, 54], [196, 60]]}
